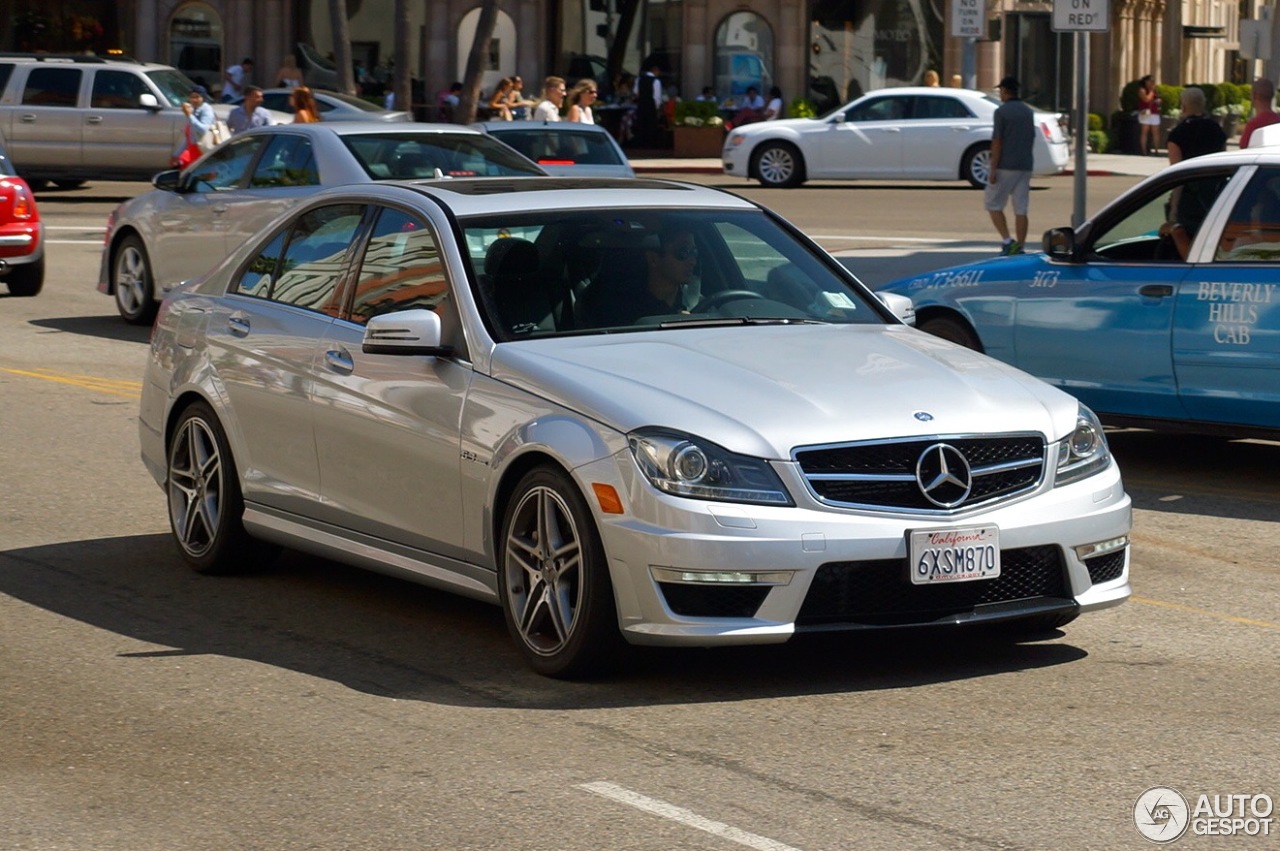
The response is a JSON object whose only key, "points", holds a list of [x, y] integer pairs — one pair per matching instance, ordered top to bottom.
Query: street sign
{"points": [[1082, 16], [968, 18]]}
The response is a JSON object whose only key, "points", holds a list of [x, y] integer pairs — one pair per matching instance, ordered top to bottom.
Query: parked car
{"points": [[334, 106], [69, 119], [924, 133], [564, 148], [193, 218], [21, 234], [1115, 314], [612, 408]]}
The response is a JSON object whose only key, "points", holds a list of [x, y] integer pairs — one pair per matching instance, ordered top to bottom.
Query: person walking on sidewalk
{"points": [[1263, 93], [1148, 115], [1197, 134], [1013, 138]]}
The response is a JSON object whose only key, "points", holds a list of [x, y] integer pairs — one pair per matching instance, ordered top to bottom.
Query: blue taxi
{"points": [[1163, 310]]}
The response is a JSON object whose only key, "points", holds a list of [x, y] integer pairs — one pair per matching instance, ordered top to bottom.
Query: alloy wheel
{"points": [[545, 570]]}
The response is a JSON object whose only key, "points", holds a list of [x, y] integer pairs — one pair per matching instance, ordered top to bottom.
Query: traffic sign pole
{"points": [[1082, 128]]}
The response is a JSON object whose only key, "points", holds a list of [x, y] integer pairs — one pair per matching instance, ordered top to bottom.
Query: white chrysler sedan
{"points": [[911, 133], [619, 409]]}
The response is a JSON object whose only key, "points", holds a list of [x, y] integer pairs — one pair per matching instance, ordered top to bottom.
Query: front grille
{"points": [[882, 475], [1104, 568], [879, 593], [713, 601]]}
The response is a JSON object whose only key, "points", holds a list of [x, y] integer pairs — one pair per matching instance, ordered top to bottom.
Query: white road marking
{"points": [[683, 816]]}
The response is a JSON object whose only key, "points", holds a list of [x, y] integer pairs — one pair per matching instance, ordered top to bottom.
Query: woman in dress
{"points": [[289, 75], [581, 98], [517, 102], [304, 106], [499, 109], [773, 109], [1148, 115]]}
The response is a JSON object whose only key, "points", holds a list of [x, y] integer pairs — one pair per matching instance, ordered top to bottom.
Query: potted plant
{"points": [[699, 129]]}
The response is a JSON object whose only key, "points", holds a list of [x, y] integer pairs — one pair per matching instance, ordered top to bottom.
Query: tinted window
{"points": [[6, 70], [52, 87], [116, 90], [279, 101], [939, 107], [880, 109], [555, 145], [414, 155], [287, 161], [224, 169], [1252, 234], [315, 257], [401, 269], [261, 271]]}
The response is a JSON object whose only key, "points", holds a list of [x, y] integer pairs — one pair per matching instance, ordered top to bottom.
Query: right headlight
{"points": [[1083, 452], [685, 465]]}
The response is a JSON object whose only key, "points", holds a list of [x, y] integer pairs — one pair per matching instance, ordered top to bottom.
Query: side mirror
{"points": [[146, 100], [839, 118], [169, 181], [1060, 243], [900, 306], [408, 332]]}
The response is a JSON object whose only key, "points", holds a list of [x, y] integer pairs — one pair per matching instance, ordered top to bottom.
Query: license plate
{"points": [[954, 555]]}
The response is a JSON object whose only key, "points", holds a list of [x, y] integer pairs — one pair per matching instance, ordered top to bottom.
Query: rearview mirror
{"points": [[1060, 243], [900, 306], [407, 332]]}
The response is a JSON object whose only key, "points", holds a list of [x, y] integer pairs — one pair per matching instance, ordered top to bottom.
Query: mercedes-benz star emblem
{"points": [[923, 416], [944, 475]]}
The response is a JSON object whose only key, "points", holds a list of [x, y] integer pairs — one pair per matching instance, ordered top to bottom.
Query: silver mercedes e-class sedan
{"points": [[621, 410]]}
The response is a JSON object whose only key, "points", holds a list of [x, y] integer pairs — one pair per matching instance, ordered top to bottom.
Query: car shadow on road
{"points": [[106, 327], [392, 638]]}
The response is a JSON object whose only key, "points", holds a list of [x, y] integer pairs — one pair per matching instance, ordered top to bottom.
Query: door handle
{"points": [[27, 119], [94, 119], [890, 129], [959, 129], [219, 209], [1156, 290], [238, 326], [339, 360]]}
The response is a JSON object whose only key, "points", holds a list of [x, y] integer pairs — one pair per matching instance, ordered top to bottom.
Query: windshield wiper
{"points": [[718, 321]]}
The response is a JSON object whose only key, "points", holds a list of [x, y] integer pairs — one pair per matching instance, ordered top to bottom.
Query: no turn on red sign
{"points": [[1082, 16]]}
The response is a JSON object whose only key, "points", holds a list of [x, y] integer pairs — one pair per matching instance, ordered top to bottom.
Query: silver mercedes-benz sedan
{"points": [[193, 218], [619, 409]]}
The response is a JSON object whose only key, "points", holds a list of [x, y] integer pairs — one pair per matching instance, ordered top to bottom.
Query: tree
{"points": [[627, 10], [342, 46], [477, 59], [401, 83]]}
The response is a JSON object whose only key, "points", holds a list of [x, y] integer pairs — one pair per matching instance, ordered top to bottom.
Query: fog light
{"points": [[1102, 547], [721, 577]]}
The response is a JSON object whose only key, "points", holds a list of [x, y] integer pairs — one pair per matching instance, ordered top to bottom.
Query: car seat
{"points": [[514, 285]]}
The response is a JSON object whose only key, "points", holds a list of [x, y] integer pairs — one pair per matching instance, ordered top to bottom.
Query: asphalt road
{"points": [[320, 707]]}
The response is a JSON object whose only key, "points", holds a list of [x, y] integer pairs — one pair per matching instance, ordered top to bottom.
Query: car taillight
{"points": [[1048, 134], [24, 207], [111, 225]]}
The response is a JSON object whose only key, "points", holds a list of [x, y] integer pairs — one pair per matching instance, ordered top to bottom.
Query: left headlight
{"points": [[1083, 452], [685, 465]]}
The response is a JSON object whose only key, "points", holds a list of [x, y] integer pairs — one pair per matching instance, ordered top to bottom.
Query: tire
{"points": [[778, 165], [976, 166], [68, 184], [26, 280], [132, 283], [952, 329], [205, 503], [553, 579]]}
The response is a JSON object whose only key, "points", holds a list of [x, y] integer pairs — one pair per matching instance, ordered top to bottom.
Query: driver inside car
{"points": [[670, 260]]}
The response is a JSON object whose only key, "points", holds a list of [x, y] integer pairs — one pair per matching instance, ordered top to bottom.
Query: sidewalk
{"points": [[1099, 165]]}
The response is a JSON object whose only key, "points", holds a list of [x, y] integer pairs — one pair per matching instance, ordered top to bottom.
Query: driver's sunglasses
{"points": [[689, 252]]}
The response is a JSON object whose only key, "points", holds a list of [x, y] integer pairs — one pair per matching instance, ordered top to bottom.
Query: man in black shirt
{"points": [[1197, 134]]}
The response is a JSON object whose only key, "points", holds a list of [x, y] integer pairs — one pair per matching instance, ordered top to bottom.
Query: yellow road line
{"points": [[115, 387], [1194, 611]]}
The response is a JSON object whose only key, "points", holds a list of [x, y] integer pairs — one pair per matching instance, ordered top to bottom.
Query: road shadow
{"points": [[106, 327], [1199, 474], [395, 639]]}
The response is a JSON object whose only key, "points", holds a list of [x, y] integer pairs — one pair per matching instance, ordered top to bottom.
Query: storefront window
{"points": [[195, 43], [855, 47], [744, 56]]}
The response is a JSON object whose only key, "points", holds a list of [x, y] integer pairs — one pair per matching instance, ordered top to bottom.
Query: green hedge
{"points": [[1215, 95], [1099, 141]]}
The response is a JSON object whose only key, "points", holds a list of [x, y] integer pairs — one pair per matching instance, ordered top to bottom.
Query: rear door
{"points": [[940, 129], [46, 131]]}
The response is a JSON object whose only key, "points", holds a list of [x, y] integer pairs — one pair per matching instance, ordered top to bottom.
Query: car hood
{"points": [[757, 127], [764, 390]]}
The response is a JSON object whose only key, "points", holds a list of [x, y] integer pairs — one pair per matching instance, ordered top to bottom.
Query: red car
{"points": [[21, 235]]}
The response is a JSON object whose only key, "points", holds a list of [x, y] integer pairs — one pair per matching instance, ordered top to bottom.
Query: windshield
{"points": [[174, 85], [560, 146], [401, 156], [601, 271]]}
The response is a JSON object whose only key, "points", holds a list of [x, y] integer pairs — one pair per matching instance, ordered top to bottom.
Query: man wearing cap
{"points": [[200, 119], [1013, 137]]}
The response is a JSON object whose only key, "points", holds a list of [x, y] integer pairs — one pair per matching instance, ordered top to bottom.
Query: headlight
{"points": [[736, 139], [1083, 452], [689, 466]]}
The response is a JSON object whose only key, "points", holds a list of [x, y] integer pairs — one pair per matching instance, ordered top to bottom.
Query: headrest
{"points": [[511, 255]]}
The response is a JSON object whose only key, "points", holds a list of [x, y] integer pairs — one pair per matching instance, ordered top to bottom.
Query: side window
{"points": [[6, 71], [52, 87], [116, 90], [939, 107], [880, 109], [287, 161], [225, 168], [1252, 234], [1136, 235], [315, 257], [401, 269], [257, 276]]}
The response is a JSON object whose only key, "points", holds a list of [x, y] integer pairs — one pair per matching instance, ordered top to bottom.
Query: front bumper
{"points": [[823, 568]]}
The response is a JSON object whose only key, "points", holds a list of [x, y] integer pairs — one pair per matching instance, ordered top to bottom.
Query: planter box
{"points": [[698, 142]]}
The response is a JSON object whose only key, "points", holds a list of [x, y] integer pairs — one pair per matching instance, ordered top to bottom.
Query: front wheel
{"points": [[779, 164], [976, 167], [26, 280], [131, 282], [952, 330], [554, 579]]}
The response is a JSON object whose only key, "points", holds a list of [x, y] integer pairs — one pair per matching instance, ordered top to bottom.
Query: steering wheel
{"points": [[723, 297]]}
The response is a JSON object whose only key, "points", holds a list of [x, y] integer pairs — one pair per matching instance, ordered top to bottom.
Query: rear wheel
{"points": [[779, 164], [976, 166], [26, 280], [131, 282], [952, 329], [554, 579]]}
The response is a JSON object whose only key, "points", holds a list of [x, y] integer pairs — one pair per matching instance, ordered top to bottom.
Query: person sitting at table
{"points": [[752, 110]]}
